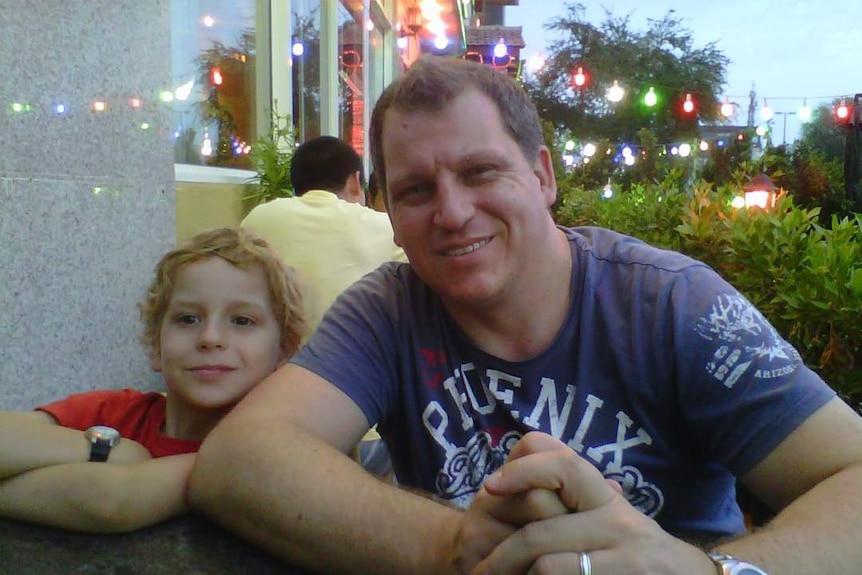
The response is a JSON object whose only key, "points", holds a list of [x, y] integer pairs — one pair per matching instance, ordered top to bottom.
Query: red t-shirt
{"points": [[136, 415]]}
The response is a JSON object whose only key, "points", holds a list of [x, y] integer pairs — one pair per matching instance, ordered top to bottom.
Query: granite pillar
{"points": [[86, 195]]}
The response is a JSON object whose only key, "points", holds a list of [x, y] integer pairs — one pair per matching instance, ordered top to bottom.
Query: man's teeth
{"points": [[467, 249]]}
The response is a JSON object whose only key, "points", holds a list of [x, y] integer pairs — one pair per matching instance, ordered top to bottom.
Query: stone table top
{"points": [[188, 545]]}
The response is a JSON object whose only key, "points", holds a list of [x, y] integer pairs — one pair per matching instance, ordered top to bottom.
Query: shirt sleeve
{"points": [[355, 346], [742, 387], [83, 410]]}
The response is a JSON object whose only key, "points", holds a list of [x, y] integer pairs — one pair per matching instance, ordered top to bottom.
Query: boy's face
{"points": [[219, 335]]}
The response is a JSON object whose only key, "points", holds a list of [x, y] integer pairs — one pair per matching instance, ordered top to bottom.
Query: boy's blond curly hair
{"points": [[239, 247]]}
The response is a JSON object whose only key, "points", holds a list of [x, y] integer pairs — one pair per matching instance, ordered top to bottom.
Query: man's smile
{"points": [[466, 249]]}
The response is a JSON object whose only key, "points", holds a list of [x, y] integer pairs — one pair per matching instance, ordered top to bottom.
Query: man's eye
{"points": [[479, 172], [418, 188], [413, 193], [244, 321]]}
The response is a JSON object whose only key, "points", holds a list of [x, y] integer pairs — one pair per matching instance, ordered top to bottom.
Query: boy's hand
{"points": [[33, 440], [128, 451], [99, 497]]}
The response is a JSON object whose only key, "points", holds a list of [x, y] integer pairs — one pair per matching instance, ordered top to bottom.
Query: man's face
{"points": [[469, 210]]}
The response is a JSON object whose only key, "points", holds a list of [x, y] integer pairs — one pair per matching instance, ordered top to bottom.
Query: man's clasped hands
{"points": [[547, 506]]}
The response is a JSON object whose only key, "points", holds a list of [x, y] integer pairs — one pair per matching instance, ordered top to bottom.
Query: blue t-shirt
{"points": [[663, 376]]}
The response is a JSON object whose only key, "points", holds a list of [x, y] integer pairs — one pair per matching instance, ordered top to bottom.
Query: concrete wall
{"points": [[87, 201], [202, 206]]}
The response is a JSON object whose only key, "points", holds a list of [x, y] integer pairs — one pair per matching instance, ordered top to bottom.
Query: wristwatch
{"points": [[101, 438], [727, 565]]}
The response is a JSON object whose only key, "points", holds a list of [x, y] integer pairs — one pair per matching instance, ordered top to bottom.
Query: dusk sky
{"points": [[789, 50]]}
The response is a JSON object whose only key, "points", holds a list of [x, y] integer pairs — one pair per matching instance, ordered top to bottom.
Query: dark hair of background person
{"points": [[432, 82], [324, 163], [374, 196]]}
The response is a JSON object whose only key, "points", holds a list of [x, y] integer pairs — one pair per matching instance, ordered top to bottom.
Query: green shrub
{"points": [[271, 156], [804, 277]]}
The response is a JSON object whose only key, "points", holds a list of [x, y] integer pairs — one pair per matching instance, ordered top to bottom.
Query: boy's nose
{"points": [[212, 336]]}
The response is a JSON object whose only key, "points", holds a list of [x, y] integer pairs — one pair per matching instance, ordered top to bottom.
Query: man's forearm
{"points": [[306, 502], [817, 533]]}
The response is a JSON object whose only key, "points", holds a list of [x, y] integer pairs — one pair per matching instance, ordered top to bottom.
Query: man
{"points": [[325, 232], [651, 385]]}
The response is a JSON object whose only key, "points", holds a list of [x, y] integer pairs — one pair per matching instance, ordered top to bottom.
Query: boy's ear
{"points": [[284, 356], [156, 361]]}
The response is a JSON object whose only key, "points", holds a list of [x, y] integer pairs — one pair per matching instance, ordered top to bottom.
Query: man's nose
{"points": [[453, 204]]}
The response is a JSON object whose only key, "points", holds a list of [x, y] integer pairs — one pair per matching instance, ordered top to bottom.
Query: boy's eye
{"points": [[187, 319], [243, 321]]}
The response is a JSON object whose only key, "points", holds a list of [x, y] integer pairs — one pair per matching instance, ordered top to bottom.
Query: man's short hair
{"points": [[432, 82], [324, 163]]}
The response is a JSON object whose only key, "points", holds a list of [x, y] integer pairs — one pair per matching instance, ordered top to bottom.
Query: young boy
{"points": [[221, 313]]}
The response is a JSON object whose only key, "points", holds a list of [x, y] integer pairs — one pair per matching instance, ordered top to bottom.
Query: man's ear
{"points": [[543, 168], [353, 191]]}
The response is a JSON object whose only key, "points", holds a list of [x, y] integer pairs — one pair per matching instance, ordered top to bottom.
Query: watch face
{"points": [[103, 432]]}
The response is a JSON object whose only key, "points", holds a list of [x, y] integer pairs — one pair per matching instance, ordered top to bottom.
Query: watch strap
{"points": [[99, 450], [727, 565]]}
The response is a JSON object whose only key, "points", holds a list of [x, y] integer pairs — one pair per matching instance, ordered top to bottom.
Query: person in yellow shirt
{"points": [[326, 232], [328, 235]]}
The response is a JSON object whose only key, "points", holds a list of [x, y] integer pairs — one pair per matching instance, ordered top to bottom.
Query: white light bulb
{"points": [[500, 49], [615, 92], [207, 146]]}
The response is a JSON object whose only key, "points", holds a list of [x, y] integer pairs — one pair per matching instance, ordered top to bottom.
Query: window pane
{"points": [[306, 68], [213, 91], [351, 93]]}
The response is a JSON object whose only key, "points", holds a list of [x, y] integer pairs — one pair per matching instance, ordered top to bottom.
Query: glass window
{"points": [[379, 49], [306, 68], [213, 90], [351, 92]]}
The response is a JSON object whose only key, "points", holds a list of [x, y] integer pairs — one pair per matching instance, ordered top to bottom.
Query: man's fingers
{"points": [[535, 442], [579, 485], [615, 486], [521, 508], [556, 541], [568, 563]]}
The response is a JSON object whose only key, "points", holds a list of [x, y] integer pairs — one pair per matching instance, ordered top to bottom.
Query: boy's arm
{"points": [[32, 440], [99, 497]]}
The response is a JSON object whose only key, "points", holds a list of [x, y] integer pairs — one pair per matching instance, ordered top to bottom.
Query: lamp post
{"points": [[784, 125], [759, 191]]}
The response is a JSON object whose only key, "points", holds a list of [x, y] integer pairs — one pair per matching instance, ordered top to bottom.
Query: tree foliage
{"points": [[663, 57], [225, 110], [824, 134]]}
